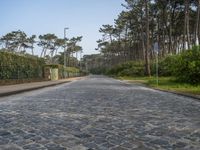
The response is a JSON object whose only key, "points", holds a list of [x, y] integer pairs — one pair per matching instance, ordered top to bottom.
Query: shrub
{"points": [[13, 66], [167, 66], [185, 66], [188, 66], [131, 68], [99, 70]]}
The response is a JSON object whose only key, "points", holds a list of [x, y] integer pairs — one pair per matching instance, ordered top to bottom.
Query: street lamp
{"points": [[64, 48], [156, 50], [81, 59]]}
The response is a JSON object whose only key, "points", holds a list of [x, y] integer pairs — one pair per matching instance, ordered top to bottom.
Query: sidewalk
{"points": [[19, 88]]}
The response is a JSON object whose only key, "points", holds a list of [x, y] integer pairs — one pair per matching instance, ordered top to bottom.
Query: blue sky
{"points": [[83, 17]]}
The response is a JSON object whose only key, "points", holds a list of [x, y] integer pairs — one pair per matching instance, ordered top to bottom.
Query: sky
{"points": [[82, 17]]}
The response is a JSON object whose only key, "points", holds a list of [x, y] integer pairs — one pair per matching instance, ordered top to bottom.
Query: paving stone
{"points": [[99, 113], [4, 133], [82, 135], [3, 141], [108, 145], [179, 145], [10, 147], [32, 147], [54, 147], [118, 148]]}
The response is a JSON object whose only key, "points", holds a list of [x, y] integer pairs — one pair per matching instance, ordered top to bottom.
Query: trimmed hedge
{"points": [[13, 66], [71, 71]]}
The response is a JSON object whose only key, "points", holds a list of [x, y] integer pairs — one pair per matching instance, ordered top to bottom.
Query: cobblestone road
{"points": [[99, 113]]}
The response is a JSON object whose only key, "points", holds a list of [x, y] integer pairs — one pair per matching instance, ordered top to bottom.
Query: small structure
{"points": [[51, 72], [56, 72]]}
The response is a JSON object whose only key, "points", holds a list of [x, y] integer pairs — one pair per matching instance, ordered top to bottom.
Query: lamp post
{"points": [[64, 48], [156, 50], [81, 59]]}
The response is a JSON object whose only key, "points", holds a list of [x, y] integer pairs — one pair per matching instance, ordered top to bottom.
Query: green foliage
{"points": [[70, 61], [13, 66], [167, 66], [131, 68], [187, 68], [72, 69], [62, 70], [100, 70], [165, 83]]}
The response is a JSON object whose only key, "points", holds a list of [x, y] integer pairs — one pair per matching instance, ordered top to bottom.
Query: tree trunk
{"points": [[188, 24], [197, 24], [170, 35], [186, 35], [32, 50], [42, 52], [147, 61]]}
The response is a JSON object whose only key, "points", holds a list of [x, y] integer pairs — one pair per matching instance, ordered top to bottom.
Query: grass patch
{"points": [[165, 83]]}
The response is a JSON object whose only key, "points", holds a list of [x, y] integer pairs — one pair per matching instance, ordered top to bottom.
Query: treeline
{"points": [[145, 29], [49, 45]]}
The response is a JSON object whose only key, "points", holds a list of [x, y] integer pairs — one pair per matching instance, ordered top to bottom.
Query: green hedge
{"points": [[13, 66], [70, 71]]}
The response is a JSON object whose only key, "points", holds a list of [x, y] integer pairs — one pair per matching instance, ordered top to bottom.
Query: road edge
{"points": [[30, 89], [162, 90], [9, 93]]}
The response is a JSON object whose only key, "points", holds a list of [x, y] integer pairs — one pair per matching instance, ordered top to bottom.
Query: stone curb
{"points": [[178, 93], [4, 94], [197, 97]]}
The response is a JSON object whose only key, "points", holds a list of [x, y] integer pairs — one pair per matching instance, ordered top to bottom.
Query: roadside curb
{"points": [[30, 89], [162, 90], [178, 93]]}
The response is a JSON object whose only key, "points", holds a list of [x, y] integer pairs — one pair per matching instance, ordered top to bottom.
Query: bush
{"points": [[14, 66], [167, 66], [185, 66], [188, 66], [131, 68], [98, 71]]}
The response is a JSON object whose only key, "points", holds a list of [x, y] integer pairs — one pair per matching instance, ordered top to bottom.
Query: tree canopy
{"points": [[172, 25]]}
